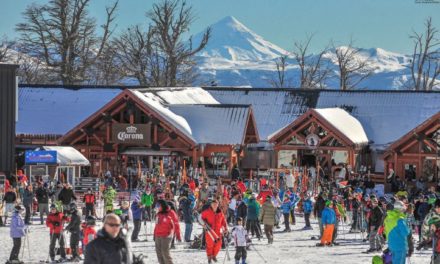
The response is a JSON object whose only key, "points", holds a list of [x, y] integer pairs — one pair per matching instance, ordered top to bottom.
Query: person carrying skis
{"points": [[89, 200], [328, 219], [55, 221], [167, 225], [214, 225], [74, 227], [17, 231], [397, 231], [240, 237]]}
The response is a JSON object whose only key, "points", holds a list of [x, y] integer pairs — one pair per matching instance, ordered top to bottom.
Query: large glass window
{"points": [[287, 158]]}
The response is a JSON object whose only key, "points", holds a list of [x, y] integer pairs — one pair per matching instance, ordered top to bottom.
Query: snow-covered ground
{"points": [[293, 247]]}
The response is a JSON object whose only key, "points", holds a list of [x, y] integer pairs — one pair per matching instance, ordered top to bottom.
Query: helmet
{"points": [[53, 206], [400, 206], [90, 220]]}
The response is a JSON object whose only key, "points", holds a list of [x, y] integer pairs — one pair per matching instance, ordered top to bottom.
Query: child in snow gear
{"points": [[89, 200], [286, 207], [307, 209], [55, 221], [214, 221], [328, 222], [167, 225], [74, 227], [88, 229], [17, 231], [240, 237]]}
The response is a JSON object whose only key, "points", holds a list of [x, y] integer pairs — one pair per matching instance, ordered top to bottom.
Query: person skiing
{"points": [[89, 201], [267, 217], [328, 219], [55, 221], [167, 225], [214, 225], [74, 227], [18, 229], [397, 231], [240, 237], [110, 245]]}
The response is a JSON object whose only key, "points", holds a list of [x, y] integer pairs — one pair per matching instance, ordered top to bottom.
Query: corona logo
{"points": [[131, 129], [130, 134]]}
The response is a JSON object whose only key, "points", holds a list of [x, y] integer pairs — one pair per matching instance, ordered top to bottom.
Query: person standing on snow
{"points": [[42, 194], [108, 196], [28, 199], [89, 200], [147, 200], [286, 207], [307, 209], [136, 210], [317, 211], [253, 212], [268, 212], [55, 221], [376, 221], [328, 222], [167, 225], [215, 225], [74, 227], [17, 231], [397, 231], [240, 237]]}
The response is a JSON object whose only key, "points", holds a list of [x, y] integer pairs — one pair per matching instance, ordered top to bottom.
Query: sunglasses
{"points": [[113, 225]]}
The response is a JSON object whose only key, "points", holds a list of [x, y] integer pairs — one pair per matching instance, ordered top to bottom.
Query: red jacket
{"points": [[192, 185], [241, 186], [262, 196], [89, 198], [215, 220], [55, 222], [167, 224], [89, 233]]}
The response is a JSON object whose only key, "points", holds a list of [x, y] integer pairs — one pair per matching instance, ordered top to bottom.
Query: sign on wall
{"points": [[139, 134], [312, 140], [40, 157]]}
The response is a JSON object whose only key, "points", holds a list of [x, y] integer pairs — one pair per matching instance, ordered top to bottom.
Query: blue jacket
{"points": [[294, 199], [286, 206], [308, 206], [187, 208], [136, 211], [328, 216], [17, 226], [396, 231]]}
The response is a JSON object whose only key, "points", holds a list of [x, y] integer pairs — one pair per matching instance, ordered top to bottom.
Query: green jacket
{"points": [[109, 195], [147, 199]]}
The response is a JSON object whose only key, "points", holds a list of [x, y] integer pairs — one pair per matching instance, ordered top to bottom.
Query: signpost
{"points": [[41, 157], [83, 183]]}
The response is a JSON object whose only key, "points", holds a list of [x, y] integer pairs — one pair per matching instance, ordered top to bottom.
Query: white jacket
{"points": [[290, 180], [239, 234]]}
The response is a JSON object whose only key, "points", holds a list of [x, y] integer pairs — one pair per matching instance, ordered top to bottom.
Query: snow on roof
{"points": [[184, 95], [273, 109], [57, 110], [385, 116], [177, 121], [345, 123], [215, 124], [68, 156]]}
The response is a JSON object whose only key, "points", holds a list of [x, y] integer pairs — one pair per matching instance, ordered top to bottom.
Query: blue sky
{"points": [[372, 23]]}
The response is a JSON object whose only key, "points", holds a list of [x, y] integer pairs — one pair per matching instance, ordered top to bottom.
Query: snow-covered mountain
{"points": [[237, 56]]}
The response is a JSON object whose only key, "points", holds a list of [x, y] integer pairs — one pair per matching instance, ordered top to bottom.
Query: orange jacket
{"points": [[215, 220]]}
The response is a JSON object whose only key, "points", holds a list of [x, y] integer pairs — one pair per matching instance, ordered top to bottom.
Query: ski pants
{"points": [[43, 208], [90, 209], [292, 214], [27, 217], [307, 219], [286, 221], [254, 227], [321, 228], [136, 229], [268, 229], [188, 231], [335, 231], [328, 234], [53, 240], [74, 242], [375, 242], [212, 247], [15, 249], [163, 250], [240, 253], [399, 257]]}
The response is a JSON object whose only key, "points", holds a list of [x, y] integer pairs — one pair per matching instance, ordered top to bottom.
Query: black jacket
{"points": [[42, 195], [66, 196], [10, 197], [28, 197], [185, 205], [242, 210], [376, 217], [74, 224], [107, 250]]}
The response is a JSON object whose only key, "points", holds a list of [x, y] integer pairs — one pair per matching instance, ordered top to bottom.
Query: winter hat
{"points": [[432, 199], [52, 206], [399, 206]]}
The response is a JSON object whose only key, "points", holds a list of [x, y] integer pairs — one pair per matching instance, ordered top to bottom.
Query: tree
{"points": [[171, 20], [63, 35], [5, 49], [134, 53], [425, 61], [281, 65], [352, 69], [313, 71]]}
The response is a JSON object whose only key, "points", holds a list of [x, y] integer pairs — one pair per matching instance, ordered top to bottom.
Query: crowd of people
{"points": [[230, 212]]}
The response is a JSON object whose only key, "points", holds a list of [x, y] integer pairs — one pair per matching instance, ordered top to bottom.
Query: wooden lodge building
{"points": [[217, 128]]}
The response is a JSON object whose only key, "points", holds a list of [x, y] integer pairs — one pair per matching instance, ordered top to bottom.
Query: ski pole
{"points": [[259, 254]]}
